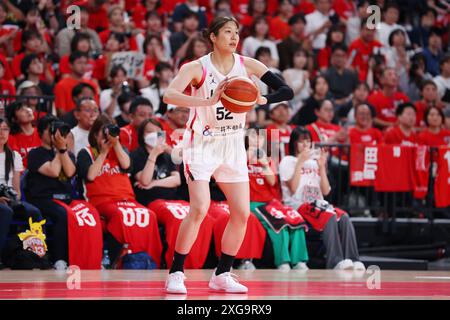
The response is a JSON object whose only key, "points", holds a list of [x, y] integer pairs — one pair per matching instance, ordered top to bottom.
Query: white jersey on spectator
{"points": [[80, 139]]}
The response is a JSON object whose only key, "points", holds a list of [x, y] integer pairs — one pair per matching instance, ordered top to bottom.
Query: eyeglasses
{"points": [[90, 111]]}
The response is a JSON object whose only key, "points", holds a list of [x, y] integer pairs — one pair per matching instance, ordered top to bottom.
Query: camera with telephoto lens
{"points": [[60, 126], [112, 130], [11, 194]]}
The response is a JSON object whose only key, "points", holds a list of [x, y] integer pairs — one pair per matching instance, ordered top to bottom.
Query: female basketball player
{"points": [[214, 145]]}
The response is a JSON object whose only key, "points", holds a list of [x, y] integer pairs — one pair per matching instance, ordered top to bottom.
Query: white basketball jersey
{"points": [[215, 120]]}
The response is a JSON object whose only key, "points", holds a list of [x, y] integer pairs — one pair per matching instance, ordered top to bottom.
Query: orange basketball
{"points": [[240, 95]]}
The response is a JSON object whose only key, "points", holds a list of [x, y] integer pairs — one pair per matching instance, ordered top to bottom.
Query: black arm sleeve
{"points": [[282, 91]]}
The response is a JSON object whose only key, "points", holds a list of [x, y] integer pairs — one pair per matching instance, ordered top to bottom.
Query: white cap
{"points": [[25, 85], [274, 105]]}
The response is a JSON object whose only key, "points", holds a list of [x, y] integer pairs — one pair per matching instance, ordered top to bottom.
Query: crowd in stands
{"points": [[353, 84]]}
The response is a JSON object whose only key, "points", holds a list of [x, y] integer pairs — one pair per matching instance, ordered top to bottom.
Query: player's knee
{"points": [[198, 212], [240, 217]]}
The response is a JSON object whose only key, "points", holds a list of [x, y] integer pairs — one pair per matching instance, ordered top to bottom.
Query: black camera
{"points": [[126, 87], [60, 126], [112, 130], [11, 194]]}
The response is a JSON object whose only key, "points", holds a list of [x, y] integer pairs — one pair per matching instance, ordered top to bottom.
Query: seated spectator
{"points": [[182, 9], [255, 9], [141, 10], [391, 13], [98, 16], [33, 21], [319, 22], [355, 23], [117, 24], [154, 25], [279, 26], [420, 34], [7, 35], [65, 35], [335, 36], [259, 37], [179, 41], [294, 41], [32, 42], [80, 42], [115, 43], [198, 47], [361, 49], [433, 52], [154, 54], [264, 55], [397, 57], [32, 67], [417, 76], [297, 78], [443, 80], [342, 81], [6, 87], [30, 89], [63, 89], [81, 90], [155, 91], [429, 94], [108, 97], [387, 99], [124, 101], [140, 110], [86, 112], [346, 113], [306, 114], [447, 118], [173, 123], [323, 130], [279, 131], [363, 132], [403, 133], [435, 134], [24, 136], [105, 163], [10, 170], [154, 175], [304, 183], [49, 188], [289, 245]]}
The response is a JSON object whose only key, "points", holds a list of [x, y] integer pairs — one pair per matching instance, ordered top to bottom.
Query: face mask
{"points": [[151, 139]]}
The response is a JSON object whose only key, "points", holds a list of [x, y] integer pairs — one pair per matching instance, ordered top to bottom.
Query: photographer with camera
{"points": [[141, 109], [103, 167], [49, 187], [10, 206]]}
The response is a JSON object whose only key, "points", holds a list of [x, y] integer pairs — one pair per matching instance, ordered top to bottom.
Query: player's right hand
{"points": [[218, 92]]}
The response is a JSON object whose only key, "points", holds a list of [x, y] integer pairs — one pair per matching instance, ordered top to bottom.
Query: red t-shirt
{"points": [[305, 7], [344, 8], [138, 13], [98, 19], [279, 29], [3, 32], [17, 44], [361, 52], [323, 57], [16, 62], [64, 67], [8, 72], [7, 88], [63, 92], [386, 106], [421, 107], [321, 132], [395, 135], [370, 136], [129, 137], [426, 137], [22, 143], [397, 160], [442, 183], [260, 190]]}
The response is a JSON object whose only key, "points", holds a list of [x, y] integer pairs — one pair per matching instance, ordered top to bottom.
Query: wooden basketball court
{"points": [[262, 284]]}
